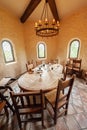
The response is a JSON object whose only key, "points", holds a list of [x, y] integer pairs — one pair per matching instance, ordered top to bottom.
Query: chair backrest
{"points": [[52, 61], [69, 62], [38, 63], [77, 63], [29, 67], [64, 71], [64, 87], [28, 104]]}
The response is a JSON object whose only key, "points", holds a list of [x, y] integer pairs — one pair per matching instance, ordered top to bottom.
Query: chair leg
{"points": [[45, 103], [66, 109], [6, 111], [66, 112], [42, 118], [55, 118], [55, 121], [19, 123], [42, 123]]}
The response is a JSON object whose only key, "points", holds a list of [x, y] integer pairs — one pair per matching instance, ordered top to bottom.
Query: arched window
{"points": [[74, 48], [41, 50], [8, 51]]}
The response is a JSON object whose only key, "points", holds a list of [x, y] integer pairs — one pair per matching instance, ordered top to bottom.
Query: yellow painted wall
{"points": [[72, 27], [12, 29], [24, 40], [31, 41]]}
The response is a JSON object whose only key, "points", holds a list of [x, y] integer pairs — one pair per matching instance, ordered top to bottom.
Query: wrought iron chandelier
{"points": [[44, 27]]}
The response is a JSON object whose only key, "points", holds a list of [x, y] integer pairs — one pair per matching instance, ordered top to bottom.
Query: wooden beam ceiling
{"points": [[31, 6], [53, 8]]}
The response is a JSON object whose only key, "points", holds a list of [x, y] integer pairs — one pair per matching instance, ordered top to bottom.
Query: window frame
{"points": [[45, 50], [77, 50], [12, 52]]}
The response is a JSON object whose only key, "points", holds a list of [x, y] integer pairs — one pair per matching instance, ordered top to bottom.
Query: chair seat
{"points": [[76, 69], [51, 96]]}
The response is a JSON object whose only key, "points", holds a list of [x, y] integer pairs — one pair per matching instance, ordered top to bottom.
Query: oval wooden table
{"points": [[47, 79]]}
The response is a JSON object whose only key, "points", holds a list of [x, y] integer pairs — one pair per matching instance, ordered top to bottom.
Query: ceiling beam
{"points": [[31, 6], [53, 8]]}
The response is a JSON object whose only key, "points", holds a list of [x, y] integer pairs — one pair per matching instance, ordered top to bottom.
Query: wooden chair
{"points": [[52, 61], [38, 63], [77, 66], [29, 67], [69, 67], [64, 72], [4, 98], [57, 100], [4, 103], [3, 106], [28, 106]]}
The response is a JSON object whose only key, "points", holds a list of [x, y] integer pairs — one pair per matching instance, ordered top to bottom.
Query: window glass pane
{"points": [[74, 49], [41, 50], [8, 51]]}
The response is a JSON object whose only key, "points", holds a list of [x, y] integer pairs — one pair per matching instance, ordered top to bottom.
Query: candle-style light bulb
{"points": [[46, 21], [40, 22], [53, 22], [58, 24], [36, 25]]}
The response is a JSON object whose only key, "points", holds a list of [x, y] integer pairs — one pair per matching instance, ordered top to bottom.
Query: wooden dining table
{"points": [[43, 77]]}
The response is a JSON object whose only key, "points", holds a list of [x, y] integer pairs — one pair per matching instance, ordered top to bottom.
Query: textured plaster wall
{"points": [[73, 27], [11, 29], [25, 41], [31, 41]]}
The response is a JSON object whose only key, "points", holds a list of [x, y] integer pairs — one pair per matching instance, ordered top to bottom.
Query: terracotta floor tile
{"points": [[71, 109], [81, 119], [75, 120], [72, 123], [61, 125]]}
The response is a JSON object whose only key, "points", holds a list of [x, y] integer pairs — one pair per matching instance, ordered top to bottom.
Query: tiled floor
{"points": [[75, 120]]}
